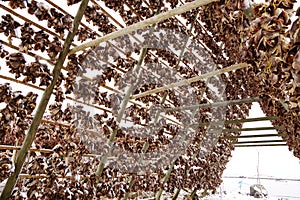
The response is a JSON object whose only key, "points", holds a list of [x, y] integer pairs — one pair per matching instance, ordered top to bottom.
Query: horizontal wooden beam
{"points": [[29, 21], [142, 24], [191, 80], [216, 104], [255, 119], [237, 121], [252, 129], [252, 136], [259, 141], [260, 145], [11, 148], [41, 176]]}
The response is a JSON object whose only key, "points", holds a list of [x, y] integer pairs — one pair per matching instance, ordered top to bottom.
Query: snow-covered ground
{"points": [[274, 162], [283, 190], [231, 196], [237, 196]]}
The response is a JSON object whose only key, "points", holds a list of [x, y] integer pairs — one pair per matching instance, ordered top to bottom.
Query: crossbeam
{"points": [[147, 22], [191, 80], [216, 104], [237, 121], [252, 129], [253, 136], [259, 141], [261, 145]]}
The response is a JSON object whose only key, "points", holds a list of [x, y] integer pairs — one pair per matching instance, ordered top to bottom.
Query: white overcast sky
{"points": [[275, 161]]}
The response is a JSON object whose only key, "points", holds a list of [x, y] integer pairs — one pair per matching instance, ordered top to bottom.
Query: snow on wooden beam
{"points": [[147, 22], [191, 80], [215, 104], [259, 142], [261, 145]]}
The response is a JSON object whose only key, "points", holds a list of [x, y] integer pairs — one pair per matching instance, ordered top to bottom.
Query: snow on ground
{"points": [[277, 190], [230, 197], [246, 197]]}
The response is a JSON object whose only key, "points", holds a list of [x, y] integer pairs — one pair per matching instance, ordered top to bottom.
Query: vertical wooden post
{"points": [[21, 156]]}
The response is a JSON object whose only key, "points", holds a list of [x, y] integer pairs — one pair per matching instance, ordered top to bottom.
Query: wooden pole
{"points": [[29, 21], [147, 22], [28, 52], [191, 80], [124, 103], [216, 104], [237, 121], [252, 129], [253, 136], [259, 141], [146, 145], [261, 145], [12, 148], [166, 178], [11, 181], [160, 191], [194, 192], [176, 194]]}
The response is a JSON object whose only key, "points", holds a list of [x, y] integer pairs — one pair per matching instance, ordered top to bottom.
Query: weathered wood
{"points": [[29, 21], [147, 22], [191, 80], [124, 103], [216, 104], [238, 121], [252, 129], [253, 136], [259, 141], [261, 145], [12, 148], [21, 156], [194, 156], [166, 178], [175, 196]]}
